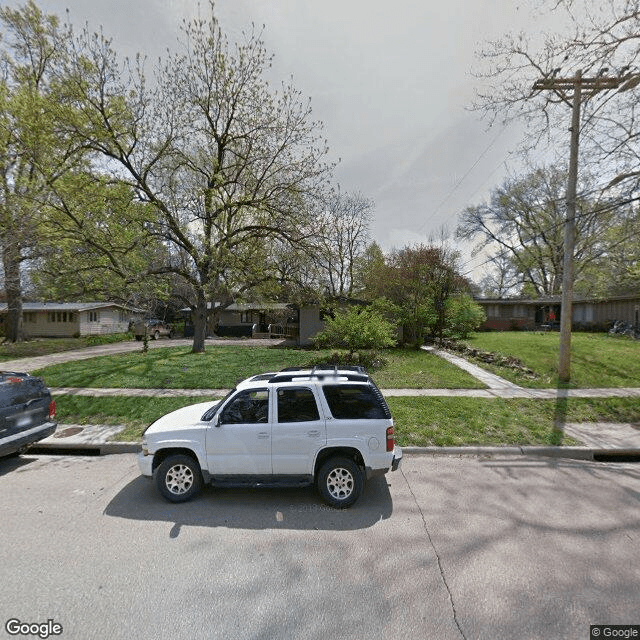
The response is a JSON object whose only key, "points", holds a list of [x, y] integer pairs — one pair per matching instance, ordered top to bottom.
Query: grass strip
{"points": [[419, 421], [477, 421]]}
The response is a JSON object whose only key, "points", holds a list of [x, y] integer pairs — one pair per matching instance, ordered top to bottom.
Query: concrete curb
{"points": [[84, 448], [576, 453]]}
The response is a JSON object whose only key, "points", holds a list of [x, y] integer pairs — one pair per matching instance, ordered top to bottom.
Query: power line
{"points": [[464, 177]]}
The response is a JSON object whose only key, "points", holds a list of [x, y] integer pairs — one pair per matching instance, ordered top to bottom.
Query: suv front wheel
{"points": [[178, 478], [340, 482]]}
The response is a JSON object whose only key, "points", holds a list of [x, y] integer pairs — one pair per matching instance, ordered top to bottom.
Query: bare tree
{"points": [[601, 40], [227, 162], [522, 228], [342, 239]]}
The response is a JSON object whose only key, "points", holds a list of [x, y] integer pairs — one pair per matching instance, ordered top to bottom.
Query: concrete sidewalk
{"points": [[507, 392]]}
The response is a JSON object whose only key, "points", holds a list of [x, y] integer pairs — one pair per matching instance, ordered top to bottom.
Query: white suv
{"points": [[327, 426]]}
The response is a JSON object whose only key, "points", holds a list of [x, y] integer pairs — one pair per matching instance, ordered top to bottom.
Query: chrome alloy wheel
{"points": [[179, 479], [340, 483]]}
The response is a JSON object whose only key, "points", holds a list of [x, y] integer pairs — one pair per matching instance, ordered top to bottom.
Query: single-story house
{"points": [[588, 313], [72, 319], [262, 319]]}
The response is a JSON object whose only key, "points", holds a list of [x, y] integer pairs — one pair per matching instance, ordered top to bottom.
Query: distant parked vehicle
{"points": [[153, 328], [622, 328], [27, 412]]}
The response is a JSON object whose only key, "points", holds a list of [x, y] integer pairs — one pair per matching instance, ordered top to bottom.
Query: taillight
{"points": [[52, 410], [390, 440]]}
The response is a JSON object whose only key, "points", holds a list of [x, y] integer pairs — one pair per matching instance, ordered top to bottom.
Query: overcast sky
{"points": [[390, 81]]}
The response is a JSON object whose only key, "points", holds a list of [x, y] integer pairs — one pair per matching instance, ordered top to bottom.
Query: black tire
{"points": [[156, 335], [171, 335], [139, 338], [178, 478], [340, 482]]}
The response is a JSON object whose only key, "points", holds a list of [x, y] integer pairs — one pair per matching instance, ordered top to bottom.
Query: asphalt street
{"points": [[447, 548]]}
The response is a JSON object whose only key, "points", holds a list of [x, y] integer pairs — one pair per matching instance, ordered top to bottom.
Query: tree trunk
{"points": [[200, 324], [14, 331]]}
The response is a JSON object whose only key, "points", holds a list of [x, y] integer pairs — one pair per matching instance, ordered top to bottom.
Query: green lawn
{"points": [[597, 360], [221, 367], [419, 421]]}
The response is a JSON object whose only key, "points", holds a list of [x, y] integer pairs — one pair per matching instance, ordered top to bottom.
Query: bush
{"points": [[463, 316], [356, 330], [370, 360]]}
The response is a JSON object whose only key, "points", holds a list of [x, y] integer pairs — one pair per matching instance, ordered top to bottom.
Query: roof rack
{"points": [[331, 367], [320, 372]]}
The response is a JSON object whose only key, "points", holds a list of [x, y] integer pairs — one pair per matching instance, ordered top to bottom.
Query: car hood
{"points": [[181, 419]]}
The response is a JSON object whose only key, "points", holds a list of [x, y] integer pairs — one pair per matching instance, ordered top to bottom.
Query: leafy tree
{"points": [[31, 54], [227, 163], [97, 242], [616, 271], [417, 281]]}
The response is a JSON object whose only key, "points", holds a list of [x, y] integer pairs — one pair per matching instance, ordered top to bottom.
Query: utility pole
{"points": [[590, 86]]}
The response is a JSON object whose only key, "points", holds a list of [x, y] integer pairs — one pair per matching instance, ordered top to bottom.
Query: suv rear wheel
{"points": [[178, 478], [340, 482]]}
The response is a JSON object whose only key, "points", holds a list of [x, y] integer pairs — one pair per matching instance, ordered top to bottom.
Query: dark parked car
{"points": [[153, 328], [27, 412]]}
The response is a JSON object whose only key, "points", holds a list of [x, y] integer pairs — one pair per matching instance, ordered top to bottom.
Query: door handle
{"points": [[263, 434], [314, 434]]}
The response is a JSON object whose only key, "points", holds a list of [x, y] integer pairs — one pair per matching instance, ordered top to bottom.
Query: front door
{"points": [[240, 442]]}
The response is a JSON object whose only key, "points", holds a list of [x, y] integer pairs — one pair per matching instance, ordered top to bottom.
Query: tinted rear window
{"points": [[355, 402], [297, 405]]}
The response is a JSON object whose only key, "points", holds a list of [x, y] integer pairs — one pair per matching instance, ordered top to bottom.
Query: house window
{"points": [[30, 316], [51, 316], [94, 316], [246, 317]]}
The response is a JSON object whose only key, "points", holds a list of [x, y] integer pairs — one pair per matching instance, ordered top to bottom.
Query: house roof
{"points": [[555, 300], [67, 306], [248, 306], [258, 306]]}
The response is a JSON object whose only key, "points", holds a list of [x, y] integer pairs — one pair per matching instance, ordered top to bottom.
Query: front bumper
{"points": [[145, 464]]}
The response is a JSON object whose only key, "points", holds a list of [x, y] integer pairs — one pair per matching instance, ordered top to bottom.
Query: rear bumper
{"points": [[17, 441], [397, 459], [395, 464]]}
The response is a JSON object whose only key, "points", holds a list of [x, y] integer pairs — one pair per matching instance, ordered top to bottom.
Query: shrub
{"points": [[463, 316], [356, 329]]}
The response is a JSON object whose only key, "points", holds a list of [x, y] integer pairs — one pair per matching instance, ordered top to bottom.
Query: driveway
{"points": [[28, 365], [448, 548]]}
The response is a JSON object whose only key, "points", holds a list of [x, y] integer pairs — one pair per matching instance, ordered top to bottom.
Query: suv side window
{"points": [[354, 402], [297, 405], [248, 407]]}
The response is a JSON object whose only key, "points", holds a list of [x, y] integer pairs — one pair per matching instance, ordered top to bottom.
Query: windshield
{"points": [[211, 412]]}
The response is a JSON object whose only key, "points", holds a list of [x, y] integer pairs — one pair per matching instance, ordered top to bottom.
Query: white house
{"points": [[72, 319]]}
